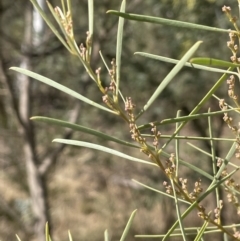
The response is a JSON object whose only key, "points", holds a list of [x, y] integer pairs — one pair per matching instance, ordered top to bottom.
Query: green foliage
{"points": [[146, 137], [124, 234]]}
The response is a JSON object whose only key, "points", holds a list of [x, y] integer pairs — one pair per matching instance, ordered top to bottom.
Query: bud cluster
{"points": [[227, 11], [66, 21], [232, 35], [231, 85], [229, 121], [135, 133], [156, 135], [170, 169], [232, 188], [196, 191], [217, 212], [201, 213], [236, 233]]}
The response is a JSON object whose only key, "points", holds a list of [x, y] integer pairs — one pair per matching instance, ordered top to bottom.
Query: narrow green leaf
{"points": [[69, 6], [63, 7], [91, 16], [164, 21], [90, 22], [119, 47], [104, 61], [213, 62], [187, 64], [170, 76], [58, 86], [192, 117], [185, 118], [84, 129], [192, 138], [212, 144], [177, 146], [104, 149], [213, 156], [226, 160], [157, 191], [178, 211], [191, 231], [201, 231], [125, 232], [177, 234], [47, 235], [70, 236], [106, 236], [154, 236], [225, 237], [18, 238]]}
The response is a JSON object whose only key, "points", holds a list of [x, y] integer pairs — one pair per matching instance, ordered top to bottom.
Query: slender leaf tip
{"points": [[197, 43], [134, 211], [18, 237]]}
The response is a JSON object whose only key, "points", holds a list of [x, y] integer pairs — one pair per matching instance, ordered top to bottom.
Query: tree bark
{"points": [[35, 180]]}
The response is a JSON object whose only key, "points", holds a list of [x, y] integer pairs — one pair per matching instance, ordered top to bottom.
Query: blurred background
{"points": [[80, 189]]}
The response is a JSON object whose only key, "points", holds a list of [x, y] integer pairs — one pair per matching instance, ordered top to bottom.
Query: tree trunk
{"points": [[35, 180]]}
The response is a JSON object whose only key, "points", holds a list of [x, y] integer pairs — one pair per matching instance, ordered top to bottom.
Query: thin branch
{"points": [[12, 104]]}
